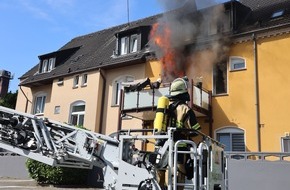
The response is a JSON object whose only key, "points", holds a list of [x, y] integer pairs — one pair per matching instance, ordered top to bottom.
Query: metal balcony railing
{"points": [[146, 99]]}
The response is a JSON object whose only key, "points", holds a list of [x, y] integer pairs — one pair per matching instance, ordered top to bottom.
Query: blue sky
{"points": [[34, 27]]}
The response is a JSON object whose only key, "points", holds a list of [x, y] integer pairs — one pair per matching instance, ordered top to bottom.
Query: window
{"points": [[277, 14], [128, 44], [133, 44], [124, 45], [51, 63], [237, 63], [47, 65], [44, 66], [220, 78], [84, 79], [76, 81], [60, 82], [117, 87], [39, 104], [57, 110], [77, 115], [232, 138], [285, 144]]}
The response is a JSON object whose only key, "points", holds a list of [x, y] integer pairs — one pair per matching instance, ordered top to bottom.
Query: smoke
{"points": [[183, 37]]}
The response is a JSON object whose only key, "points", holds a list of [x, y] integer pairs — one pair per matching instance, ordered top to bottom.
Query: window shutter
{"points": [[238, 143], [286, 144]]}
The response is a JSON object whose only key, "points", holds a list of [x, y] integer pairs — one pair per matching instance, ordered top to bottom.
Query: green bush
{"points": [[45, 174]]}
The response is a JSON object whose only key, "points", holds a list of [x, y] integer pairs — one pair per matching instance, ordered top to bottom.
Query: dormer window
{"points": [[277, 14], [128, 44], [47, 65], [44, 66]]}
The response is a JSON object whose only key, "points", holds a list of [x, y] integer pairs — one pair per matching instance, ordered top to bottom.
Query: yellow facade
{"points": [[238, 108], [259, 109]]}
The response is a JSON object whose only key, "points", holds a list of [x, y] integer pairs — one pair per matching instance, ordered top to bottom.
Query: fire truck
{"points": [[125, 164]]}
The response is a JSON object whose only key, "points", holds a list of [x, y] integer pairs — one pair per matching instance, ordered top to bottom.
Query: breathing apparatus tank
{"points": [[161, 116]]}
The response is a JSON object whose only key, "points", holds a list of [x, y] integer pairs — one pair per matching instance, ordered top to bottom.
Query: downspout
{"points": [[257, 96], [27, 100], [103, 100]]}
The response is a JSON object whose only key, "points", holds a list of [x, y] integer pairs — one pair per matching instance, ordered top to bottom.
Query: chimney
{"points": [[5, 77]]}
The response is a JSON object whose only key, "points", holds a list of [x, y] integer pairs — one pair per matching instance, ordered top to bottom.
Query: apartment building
{"points": [[236, 51]]}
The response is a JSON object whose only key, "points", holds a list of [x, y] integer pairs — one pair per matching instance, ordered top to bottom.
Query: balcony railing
{"points": [[146, 100]]}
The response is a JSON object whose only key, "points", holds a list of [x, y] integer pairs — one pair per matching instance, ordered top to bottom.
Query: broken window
{"points": [[220, 78]]}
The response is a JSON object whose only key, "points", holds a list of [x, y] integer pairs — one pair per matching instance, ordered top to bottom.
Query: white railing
{"points": [[200, 97], [148, 98], [143, 99]]}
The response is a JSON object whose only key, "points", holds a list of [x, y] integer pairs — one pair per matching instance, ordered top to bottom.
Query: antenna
{"points": [[128, 12]]}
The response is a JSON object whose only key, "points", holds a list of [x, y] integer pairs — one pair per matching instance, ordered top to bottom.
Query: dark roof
{"points": [[261, 4], [263, 14], [95, 50]]}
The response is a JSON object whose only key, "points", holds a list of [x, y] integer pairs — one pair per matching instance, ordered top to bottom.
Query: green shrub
{"points": [[45, 174]]}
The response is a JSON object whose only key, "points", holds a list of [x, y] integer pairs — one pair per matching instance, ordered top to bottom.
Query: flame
{"points": [[161, 36]]}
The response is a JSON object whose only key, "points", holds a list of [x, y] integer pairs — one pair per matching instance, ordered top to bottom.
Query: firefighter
{"points": [[180, 116]]}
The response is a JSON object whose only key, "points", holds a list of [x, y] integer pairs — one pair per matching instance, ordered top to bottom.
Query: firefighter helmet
{"points": [[178, 86]]}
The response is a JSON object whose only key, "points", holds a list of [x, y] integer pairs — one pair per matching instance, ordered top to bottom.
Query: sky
{"points": [[31, 28]]}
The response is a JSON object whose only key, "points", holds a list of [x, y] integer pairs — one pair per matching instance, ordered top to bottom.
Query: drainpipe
{"points": [[27, 100], [103, 100], [257, 103]]}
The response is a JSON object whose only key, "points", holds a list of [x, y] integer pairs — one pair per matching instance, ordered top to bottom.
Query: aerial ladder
{"points": [[124, 166]]}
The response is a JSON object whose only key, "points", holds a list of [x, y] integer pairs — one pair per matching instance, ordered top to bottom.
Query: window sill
{"points": [[124, 55], [236, 70], [60, 83], [84, 85], [75, 87], [220, 95], [39, 114], [127, 118]]}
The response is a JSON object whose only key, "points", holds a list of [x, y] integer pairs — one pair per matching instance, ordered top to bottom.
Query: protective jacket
{"points": [[182, 116]]}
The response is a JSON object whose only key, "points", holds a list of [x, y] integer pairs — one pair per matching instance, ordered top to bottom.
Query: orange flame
{"points": [[161, 36]]}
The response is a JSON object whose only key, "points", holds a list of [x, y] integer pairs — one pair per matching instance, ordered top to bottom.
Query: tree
{"points": [[9, 100]]}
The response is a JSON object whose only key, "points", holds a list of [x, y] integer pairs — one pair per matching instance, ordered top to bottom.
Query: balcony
{"points": [[142, 103]]}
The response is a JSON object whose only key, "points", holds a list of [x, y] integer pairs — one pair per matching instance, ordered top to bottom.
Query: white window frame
{"points": [[133, 43], [128, 44], [124, 45], [234, 61], [51, 64], [44, 66], [84, 79], [76, 81], [117, 87], [39, 103], [56, 109], [78, 114], [231, 130], [282, 143]]}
